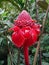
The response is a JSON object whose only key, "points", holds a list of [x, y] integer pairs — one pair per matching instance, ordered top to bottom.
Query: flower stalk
{"points": [[26, 55]]}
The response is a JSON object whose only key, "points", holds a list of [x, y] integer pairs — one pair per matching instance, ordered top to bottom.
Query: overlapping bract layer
{"points": [[25, 29]]}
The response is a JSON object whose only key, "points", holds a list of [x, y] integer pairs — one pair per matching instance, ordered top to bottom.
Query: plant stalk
{"points": [[26, 56]]}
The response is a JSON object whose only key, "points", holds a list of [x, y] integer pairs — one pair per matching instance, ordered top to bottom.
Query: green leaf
{"points": [[23, 1], [32, 1], [47, 1], [43, 4], [1, 11], [4, 14], [7, 22], [9, 38], [1, 39], [45, 39], [34, 50], [46, 54], [1, 62], [9, 62], [45, 63]]}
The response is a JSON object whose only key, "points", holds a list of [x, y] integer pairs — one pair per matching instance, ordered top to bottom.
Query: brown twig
{"points": [[44, 19], [38, 46], [36, 54], [40, 57]]}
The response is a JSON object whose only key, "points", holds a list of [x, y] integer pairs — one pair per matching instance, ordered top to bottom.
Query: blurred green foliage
{"points": [[9, 10]]}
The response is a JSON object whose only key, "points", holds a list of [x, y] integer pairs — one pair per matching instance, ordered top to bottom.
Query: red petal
{"points": [[36, 27], [15, 28], [28, 28], [26, 31], [27, 35], [34, 35], [18, 38], [32, 39]]}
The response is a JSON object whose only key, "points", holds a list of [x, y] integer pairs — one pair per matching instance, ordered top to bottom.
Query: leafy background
{"points": [[9, 10]]}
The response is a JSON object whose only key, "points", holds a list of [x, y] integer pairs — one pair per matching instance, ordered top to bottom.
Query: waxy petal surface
{"points": [[18, 39]]}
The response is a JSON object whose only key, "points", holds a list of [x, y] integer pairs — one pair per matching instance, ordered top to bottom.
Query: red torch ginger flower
{"points": [[26, 32]]}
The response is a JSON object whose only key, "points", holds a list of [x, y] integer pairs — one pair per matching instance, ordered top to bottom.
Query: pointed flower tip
{"points": [[24, 15]]}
